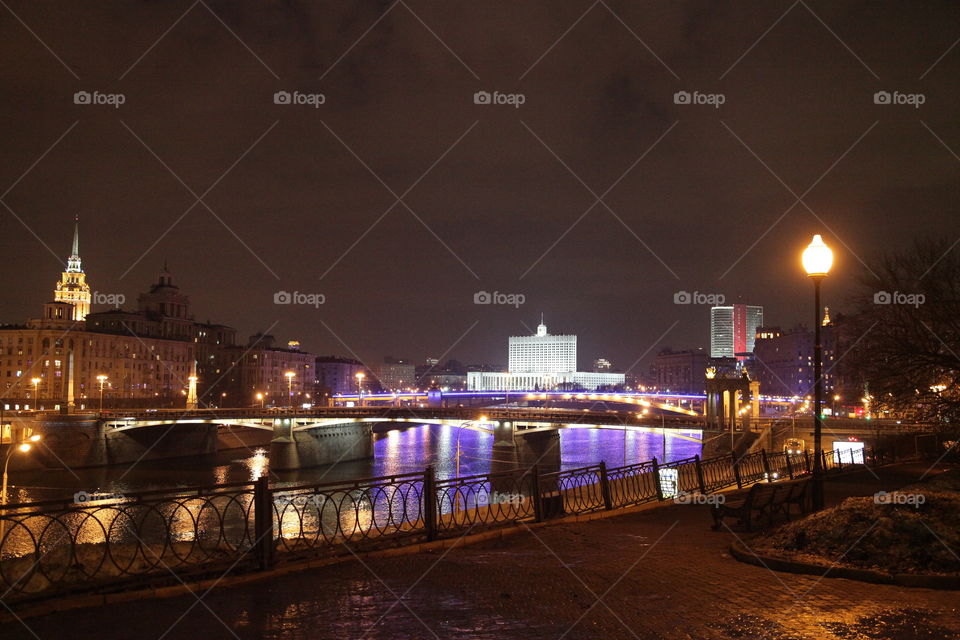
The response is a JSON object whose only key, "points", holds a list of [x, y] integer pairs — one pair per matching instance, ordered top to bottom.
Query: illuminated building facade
{"points": [[72, 288], [733, 330], [146, 354], [541, 362]]}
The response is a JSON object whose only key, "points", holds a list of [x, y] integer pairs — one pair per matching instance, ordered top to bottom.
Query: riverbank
{"points": [[661, 571]]}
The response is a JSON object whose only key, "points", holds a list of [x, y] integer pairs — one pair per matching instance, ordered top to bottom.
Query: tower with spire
{"points": [[72, 287]]}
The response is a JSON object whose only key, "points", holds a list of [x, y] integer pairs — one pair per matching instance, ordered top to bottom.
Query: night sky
{"points": [[493, 197]]}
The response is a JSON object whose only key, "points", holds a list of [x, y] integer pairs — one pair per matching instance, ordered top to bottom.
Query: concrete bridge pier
{"points": [[504, 434], [299, 448], [541, 448]]}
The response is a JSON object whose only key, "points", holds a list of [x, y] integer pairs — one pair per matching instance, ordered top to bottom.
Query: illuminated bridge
{"points": [[670, 403], [311, 437]]}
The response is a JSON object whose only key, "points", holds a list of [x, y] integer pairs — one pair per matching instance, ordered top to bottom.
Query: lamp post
{"points": [[817, 260], [290, 375], [360, 376], [102, 379], [260, 398], [23, 447]]}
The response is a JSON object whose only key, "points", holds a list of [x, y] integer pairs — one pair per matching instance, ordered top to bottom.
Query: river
{"points": [[405, 449]]}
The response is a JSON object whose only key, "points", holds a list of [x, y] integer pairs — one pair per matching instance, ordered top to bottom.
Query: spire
{"points": [[76, 235], [73, 262], [541, 328]]}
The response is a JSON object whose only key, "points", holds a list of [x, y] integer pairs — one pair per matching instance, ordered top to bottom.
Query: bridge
{"points": [[685, 404], [317, 436], [299, 438]]}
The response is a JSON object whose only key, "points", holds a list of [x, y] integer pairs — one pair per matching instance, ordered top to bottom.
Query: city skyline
{"points": [[92, 301]]}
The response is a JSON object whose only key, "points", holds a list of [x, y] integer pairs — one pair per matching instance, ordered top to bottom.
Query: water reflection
{"points": [[405, 450]]}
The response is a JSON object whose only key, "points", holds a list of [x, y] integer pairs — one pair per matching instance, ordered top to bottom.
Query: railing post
{"points": [[786, 455], [806, 459], [766, 465], [699, 468], [736, 470], [656, 480], [605, 487], [537, 498], [430, 503], [263, 523]]}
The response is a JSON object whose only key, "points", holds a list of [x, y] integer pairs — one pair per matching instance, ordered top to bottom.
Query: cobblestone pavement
{"points": [[658, 574]]}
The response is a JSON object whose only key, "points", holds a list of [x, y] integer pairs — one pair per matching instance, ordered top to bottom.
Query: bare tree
{"points": [[908, 325]]}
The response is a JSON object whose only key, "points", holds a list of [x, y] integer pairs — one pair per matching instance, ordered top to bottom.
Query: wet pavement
{"points": [[655, 574]]}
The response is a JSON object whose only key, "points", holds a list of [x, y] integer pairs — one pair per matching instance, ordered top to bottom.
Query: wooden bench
{"points": [[764, 500]]}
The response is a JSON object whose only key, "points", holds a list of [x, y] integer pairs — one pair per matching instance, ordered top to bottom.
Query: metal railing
{"points": [[101, 542], [55, 546]]}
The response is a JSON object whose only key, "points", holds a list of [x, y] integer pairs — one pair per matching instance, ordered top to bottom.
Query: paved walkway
{"points": [[660, 574]]}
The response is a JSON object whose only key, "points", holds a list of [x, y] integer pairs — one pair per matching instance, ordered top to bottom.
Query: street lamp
{"points": [[817, 260], [290, 375], [360, 376], [102, 379], [260, 398], [23, 447]]}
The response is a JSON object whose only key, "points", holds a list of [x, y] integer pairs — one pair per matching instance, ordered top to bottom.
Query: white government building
{"points": [[540, 362]]}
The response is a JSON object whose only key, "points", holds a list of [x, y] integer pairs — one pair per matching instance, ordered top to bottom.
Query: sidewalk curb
{"points": [[739, 551]]}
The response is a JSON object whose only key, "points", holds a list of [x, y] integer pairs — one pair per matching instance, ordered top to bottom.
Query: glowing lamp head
{"points": [[817, 258], [290, 374], [360, 375], [35, 381], [36, 437], [24, 447]]}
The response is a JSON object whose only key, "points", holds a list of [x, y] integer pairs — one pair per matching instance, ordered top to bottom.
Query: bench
{"points": [[799, 494], [764, 499]]}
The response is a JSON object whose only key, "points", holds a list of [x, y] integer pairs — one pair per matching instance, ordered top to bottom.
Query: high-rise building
{"points": [[72, 287], [733, 330], [542, 353]]}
